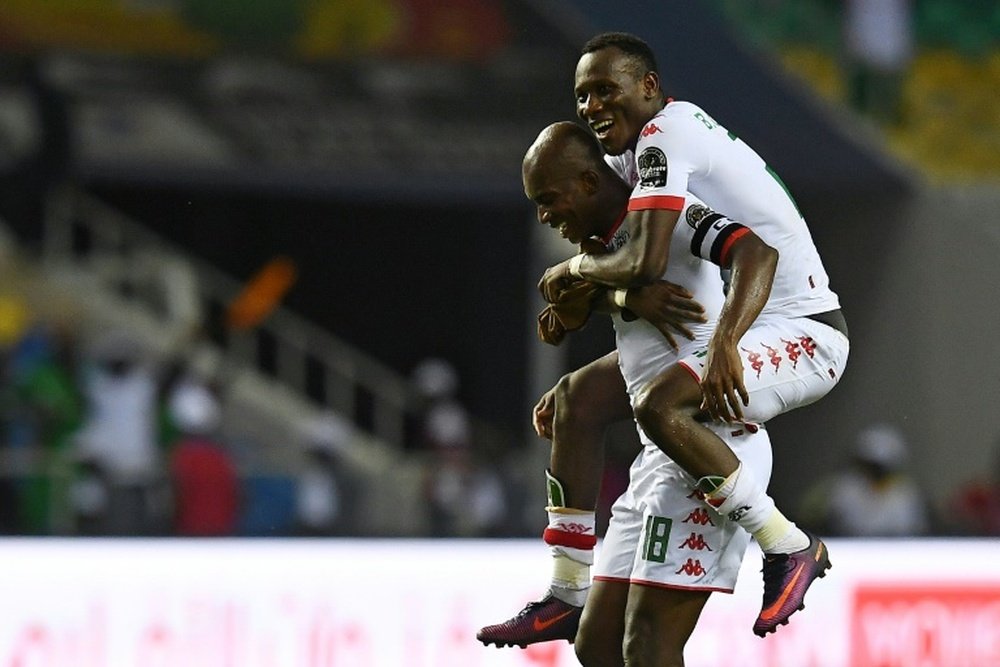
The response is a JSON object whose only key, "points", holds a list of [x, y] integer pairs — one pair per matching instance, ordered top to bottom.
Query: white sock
{"points": [[745, 502], [571, 537]]}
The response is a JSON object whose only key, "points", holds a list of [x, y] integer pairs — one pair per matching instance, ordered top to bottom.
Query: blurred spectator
{"points": [[879, 50], [40, 407], [445, 422], [119, 432], [203, 476], [323, 495], [874, 496], [465, 497], [90, 498], [975, 506]]}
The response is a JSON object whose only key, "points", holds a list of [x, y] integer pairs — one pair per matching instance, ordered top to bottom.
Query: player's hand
{"points": [[554, 281], [668, 307], [724, 395], [542, 415]]}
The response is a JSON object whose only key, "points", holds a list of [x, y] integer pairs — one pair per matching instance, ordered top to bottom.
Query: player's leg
{"points": [[587, 401], [668, 411], [684, 552], [658, 624], [602, 628]]}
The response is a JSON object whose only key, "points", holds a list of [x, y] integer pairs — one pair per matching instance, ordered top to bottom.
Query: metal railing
{"points": [[303, 357]]}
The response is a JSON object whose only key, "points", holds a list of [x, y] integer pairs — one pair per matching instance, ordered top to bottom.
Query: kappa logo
{"points": [[650, 129], [808, 346], [792, 349], [773, 355], [756, 363], [700, 517], [576, 528], [695, 541], [692, 568]]}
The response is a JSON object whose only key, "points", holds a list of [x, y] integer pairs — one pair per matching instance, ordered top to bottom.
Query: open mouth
{"points": [[601, 127]]}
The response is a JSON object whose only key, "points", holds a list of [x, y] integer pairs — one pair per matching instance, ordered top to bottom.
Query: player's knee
{"points": [[575, 400], [655, 413], [643, 645], [637, 646], [594, 650]]}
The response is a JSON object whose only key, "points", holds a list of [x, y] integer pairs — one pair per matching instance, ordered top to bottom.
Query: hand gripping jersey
{"points": [[683, 150]]}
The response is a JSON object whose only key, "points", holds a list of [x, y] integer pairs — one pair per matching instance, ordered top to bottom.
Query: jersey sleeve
{"points": [[669, 150]]}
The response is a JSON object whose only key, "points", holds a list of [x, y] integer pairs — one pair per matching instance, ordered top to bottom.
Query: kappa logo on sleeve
{"points": [[652, 168]]}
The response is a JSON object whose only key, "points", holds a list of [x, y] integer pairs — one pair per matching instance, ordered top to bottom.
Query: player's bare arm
{"points": [[650, 232], [753, 264]]}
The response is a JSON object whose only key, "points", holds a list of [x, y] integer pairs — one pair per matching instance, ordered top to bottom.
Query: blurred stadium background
{"points": [[279, 248]]}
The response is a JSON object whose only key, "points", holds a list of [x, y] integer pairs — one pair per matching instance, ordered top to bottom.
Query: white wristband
{"points": [[574, 265], [619, 297]]}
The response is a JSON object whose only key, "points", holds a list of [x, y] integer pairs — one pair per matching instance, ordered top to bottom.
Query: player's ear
{"points": [[651, 85], [591, 181]]}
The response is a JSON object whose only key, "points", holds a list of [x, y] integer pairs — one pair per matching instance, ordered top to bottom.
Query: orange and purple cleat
{"points": [[787, 577], [545, 620]]}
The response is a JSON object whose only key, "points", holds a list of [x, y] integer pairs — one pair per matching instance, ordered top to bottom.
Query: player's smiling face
{"points": [[614, 98], [561, 202]]}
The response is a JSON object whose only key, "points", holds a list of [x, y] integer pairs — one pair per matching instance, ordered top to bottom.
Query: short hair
{"points": [[627, 43], [585, 140], [569, 144]]}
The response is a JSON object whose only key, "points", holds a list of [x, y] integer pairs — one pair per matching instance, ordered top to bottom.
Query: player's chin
{"points": [[612, 143], [610, 146]]}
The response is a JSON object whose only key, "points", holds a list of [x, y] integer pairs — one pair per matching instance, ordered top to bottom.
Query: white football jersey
{"points": [[683, 151], [643, 352]]}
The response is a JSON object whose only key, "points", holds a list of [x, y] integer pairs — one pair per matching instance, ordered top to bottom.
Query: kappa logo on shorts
{"points": [[652, 168], [808, 346], [793, 351], [773, 355], [756, 363], [700, 517], [696, 542], [692, 568]]}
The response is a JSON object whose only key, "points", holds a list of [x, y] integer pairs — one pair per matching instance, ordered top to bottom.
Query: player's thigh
{"points": [[787, 363], [790, 363], [676, 388], [594, 392], [659, 621], [602, 626]]}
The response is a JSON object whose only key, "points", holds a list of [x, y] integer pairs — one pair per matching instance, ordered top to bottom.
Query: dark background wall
{"points": [[400, 280]]}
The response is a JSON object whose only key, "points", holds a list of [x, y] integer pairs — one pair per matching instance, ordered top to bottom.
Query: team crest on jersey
{"points": [[652, 168], [695, 214]]}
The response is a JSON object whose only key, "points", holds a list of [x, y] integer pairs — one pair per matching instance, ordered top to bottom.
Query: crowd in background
{"points": [[102, 437]]}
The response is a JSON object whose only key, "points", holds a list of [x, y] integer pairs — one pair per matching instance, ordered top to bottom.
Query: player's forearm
{"points": [[641, 260], [753, 266]]}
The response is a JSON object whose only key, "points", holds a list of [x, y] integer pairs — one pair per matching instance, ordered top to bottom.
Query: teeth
{"points": [[602, 125]]}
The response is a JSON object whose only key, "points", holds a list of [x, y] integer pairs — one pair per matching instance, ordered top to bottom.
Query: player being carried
{"points": [[667, 152]]}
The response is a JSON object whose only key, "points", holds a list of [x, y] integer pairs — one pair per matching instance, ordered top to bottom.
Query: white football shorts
{"points": [[788, 362], [662, 533]]}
